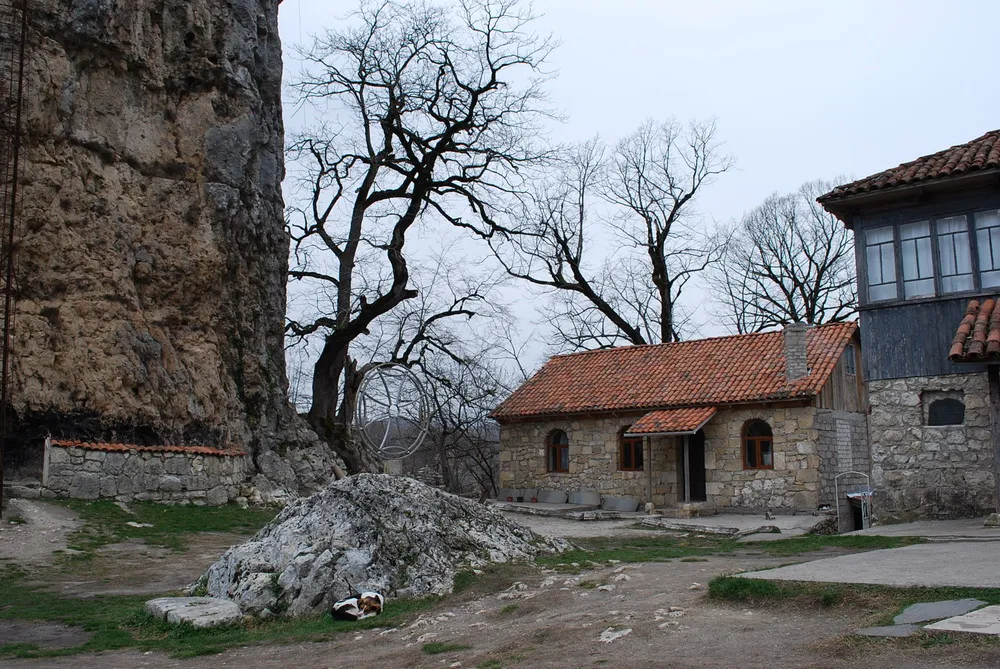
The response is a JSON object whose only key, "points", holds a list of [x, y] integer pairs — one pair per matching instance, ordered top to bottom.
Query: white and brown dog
{"points": [[365, 605]]}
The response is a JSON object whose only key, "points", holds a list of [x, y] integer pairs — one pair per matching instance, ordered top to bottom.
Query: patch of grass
{"points": [[16, 520], [106, 523], [809, 543], [666, 547], [694, 559], [492, 578], [588, 585], [733, 589], [883, 601], [509, 609], [120, 622], [438, 647], [14, 648], [490, 664]]}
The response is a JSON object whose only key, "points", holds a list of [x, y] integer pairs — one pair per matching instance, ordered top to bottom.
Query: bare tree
{"points": [[436, 112], [614, 235], [788, 261]]}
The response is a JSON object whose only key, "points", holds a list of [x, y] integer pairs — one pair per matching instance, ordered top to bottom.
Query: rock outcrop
{"points": [[152, 252], [389, 534]]}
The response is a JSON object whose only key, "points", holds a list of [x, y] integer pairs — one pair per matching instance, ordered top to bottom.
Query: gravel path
{"points": [[44, 530]]}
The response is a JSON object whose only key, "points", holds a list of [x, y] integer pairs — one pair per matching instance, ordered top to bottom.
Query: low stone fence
{"points": [[126, 472]]}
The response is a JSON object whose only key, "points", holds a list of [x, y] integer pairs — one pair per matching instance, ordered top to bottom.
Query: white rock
{"points": [[389, 534], [607, 587], [199, 611], [610, 634]]}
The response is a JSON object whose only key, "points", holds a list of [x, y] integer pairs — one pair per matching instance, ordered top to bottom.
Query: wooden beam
{"points": [[993, 373]]}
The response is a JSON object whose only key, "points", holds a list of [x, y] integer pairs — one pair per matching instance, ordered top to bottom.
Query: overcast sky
{"points": [[800, 90]]}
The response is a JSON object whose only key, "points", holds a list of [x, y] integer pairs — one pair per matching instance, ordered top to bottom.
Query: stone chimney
{"points": [[794, 336]]}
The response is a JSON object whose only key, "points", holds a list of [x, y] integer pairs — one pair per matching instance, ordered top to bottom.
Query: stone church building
{"points": [[927, 239], [746, 422]]}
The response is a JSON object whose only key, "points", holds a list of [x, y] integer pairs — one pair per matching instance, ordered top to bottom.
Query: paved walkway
{"points": [[965, 528], [966, 564]]}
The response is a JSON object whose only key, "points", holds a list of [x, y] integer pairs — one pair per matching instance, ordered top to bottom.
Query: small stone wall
{"points": [[922, 471], [125, 472]]}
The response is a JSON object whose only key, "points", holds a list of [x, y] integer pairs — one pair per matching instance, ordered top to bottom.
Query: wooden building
{"points": [[927, 240]]}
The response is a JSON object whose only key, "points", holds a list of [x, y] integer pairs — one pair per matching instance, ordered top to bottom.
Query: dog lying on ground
{"points": [[360, 606]]}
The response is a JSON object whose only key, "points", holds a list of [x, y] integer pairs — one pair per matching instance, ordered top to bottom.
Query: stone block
{"points": [[85, 485], [216, 496], [200, 612]]}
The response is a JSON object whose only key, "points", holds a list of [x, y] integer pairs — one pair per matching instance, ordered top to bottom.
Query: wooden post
{"points": [[993, 373], [648, 464], [687, 469]]}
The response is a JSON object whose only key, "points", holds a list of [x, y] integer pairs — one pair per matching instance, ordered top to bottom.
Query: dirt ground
{"points": [[556, 620]]}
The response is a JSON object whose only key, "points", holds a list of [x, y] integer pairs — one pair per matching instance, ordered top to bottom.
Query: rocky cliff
{"points": [[152, 251]]}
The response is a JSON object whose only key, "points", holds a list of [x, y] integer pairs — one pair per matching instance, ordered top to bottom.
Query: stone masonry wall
{"points": [[843, 447], [593, 460], [920, 471], [123, 473], [792, 485]]}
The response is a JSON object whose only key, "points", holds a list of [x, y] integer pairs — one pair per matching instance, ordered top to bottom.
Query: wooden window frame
{"points": [[968, 210], [755, 442], [636, 445], [552, 463]]}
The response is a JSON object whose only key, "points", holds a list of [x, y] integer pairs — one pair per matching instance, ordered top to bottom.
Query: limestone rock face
{"points": [[153, 254], [389, 534]]}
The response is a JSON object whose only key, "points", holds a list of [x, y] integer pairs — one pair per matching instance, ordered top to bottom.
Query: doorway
{"points": [[692, 467]]}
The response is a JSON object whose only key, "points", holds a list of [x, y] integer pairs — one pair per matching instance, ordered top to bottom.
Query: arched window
{"points": [[947, 411], [758, 445], [557, 451], [629, 452]]}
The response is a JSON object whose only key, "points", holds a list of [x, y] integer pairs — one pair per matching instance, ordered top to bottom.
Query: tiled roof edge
{"points": [[101, 446]]}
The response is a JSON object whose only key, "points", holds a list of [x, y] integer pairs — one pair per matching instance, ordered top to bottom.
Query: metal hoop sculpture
{"points": [[393, 411]]}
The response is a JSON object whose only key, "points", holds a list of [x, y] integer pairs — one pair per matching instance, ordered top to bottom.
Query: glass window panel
{"points": [[915, 230], [878, 235], [988, 242], [954, 254], [880, 256], [918, 265], [989, 279], [886, 291], [765, 453], [564, 458]]}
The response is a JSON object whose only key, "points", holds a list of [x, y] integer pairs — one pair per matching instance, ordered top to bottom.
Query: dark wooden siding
{"points": [[911, 339], [843, 391]]}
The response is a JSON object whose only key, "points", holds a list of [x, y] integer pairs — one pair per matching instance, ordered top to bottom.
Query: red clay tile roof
{"points": [[980, 154], [978, 336], [704, 372], [672, 421], [99, 446]]}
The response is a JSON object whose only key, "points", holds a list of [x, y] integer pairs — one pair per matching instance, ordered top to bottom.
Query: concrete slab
{"points": [[552, 496], [587, 497], [619, 503], [735, 523], [951, 530], [965, 564], [199, 611], [922, 613], [983, 621], [889, 630]]}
